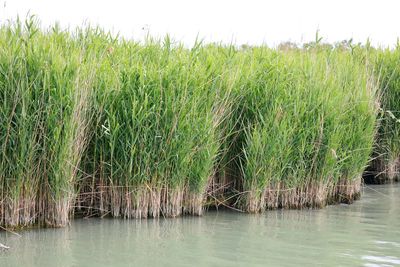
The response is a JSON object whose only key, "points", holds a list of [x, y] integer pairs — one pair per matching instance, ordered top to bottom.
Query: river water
{"points": [[366, 233]]}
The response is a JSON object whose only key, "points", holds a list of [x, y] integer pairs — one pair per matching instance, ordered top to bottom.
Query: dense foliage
{"points": [[105, 126]]}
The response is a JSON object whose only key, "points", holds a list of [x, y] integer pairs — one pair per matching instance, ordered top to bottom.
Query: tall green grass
{"points": [[44, 95], [101, 125], [305, 128], [156, 138], [387, 156]]}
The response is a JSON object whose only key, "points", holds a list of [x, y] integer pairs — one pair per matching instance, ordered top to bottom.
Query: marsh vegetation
{"points": [[96, 125]]}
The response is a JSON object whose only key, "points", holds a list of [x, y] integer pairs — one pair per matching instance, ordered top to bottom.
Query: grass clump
{"points": [[42, 123], [305, 128], [156, 137], [386, 164]]}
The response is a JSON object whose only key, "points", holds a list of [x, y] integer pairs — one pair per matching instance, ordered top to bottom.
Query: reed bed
{"points": [[44, 95], [159, 108], [103, 126], [305, 126], [386, 164]]}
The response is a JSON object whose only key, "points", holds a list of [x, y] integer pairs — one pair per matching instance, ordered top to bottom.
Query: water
{"points": [[366, 233]]}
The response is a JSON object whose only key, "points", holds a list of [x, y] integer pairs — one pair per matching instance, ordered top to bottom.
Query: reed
{"points": [[44, 94], [159, 107], [95, 124], [305, 126], [386, 164]]}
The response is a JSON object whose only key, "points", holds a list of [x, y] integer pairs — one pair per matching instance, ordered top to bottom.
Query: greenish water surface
{"points": [[366, 233]]}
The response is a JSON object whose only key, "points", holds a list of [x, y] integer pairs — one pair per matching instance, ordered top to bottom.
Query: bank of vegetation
{"points": [[100, 126], [385, 166]]}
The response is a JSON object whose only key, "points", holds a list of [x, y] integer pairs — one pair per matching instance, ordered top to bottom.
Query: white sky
{"points": [[237, 21]]}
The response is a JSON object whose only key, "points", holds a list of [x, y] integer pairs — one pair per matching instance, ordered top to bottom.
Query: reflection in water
{"points": [[366, 233], [382, 259]]}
